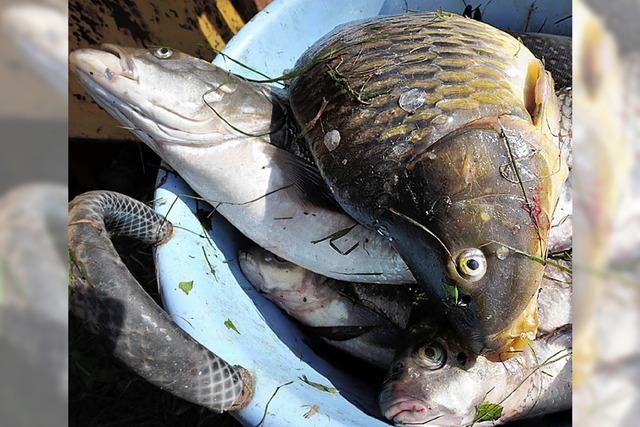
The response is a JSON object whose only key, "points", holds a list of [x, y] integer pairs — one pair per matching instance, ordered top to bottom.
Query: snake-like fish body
{"points": [[113, 304]]}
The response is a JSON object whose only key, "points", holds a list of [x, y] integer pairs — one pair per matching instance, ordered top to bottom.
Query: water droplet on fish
{"points": [[108, 73], [412, 99], [332, 140], [401, 149], [430, 155], [344, 161], [515, 229], [502, 253]]}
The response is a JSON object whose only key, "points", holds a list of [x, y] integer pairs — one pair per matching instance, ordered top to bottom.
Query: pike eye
{"points": [[163, 53], [271, 258], [471, 264], [431, 355]]}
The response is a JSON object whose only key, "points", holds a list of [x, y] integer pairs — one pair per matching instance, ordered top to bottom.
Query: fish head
{"points": [[167, 97], [488, 215], [269, 273], [431, 381]]}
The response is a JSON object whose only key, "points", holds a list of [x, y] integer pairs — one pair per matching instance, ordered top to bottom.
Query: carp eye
{"points": [[163, 53], [471, 264], [431, 355]]}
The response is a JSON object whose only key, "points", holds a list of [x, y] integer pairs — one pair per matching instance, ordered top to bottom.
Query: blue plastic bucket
{"points": [[267, 342]]}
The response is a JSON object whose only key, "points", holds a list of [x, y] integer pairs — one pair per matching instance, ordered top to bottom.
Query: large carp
{"points": [[441, 133]]}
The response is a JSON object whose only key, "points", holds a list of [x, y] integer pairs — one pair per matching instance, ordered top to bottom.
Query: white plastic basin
{"points": [[268, 343]]}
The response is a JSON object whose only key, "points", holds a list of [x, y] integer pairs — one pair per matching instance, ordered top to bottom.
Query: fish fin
{"points": [[540, 99], [306, 178], [341, 333]]}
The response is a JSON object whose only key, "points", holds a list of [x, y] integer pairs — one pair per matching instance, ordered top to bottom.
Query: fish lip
{"points": [[128, 67], [404, 405], [404, 414]]}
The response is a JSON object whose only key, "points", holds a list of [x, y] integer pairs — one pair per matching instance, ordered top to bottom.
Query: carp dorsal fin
{"points": [[306, 178]]}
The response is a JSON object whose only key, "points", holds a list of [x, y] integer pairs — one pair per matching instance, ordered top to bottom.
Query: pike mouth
{"points": [[106, 63], [127, 66], [97, 71], [110, 76]]}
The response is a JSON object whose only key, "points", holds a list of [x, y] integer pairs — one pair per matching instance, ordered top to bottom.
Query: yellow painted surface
{"points": [[230, 15], [210, 32]]}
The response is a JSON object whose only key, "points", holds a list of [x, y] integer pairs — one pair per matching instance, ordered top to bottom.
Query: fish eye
{"points": [[163, 53], [271, 257], [471, 264], [431, 355]]}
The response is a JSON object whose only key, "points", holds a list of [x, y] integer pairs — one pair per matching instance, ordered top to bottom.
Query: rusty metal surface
{"points": [[196, 27]]}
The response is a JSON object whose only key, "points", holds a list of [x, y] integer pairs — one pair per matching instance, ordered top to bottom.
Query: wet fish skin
{"points": [[168, 98], [442, 161], [324, 304], [364, 320], [417, 390]]}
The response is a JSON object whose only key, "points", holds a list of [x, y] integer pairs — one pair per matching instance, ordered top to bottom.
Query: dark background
{"points": [[102, 391]]}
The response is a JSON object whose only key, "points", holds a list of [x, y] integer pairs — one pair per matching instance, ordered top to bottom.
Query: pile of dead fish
{"points": [[426, 151]]}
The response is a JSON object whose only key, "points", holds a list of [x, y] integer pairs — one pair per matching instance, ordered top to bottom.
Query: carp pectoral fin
{"points": [[540, 99], [306, 178]]}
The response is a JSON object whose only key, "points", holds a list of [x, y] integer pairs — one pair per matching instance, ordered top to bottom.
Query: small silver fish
{"points": [[364, 320], [435, 381]]}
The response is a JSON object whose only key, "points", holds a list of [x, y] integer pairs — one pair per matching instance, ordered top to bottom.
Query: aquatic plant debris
{"points": [[326, 58], [228, 123], [514, 165], [417, 224], [336, 236], [542, 261], [74, 263], [213, 270], [186, 287], [453, 295], [229, 324], [318, 386], [266, 408], [313, 409], [487, 411]]}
